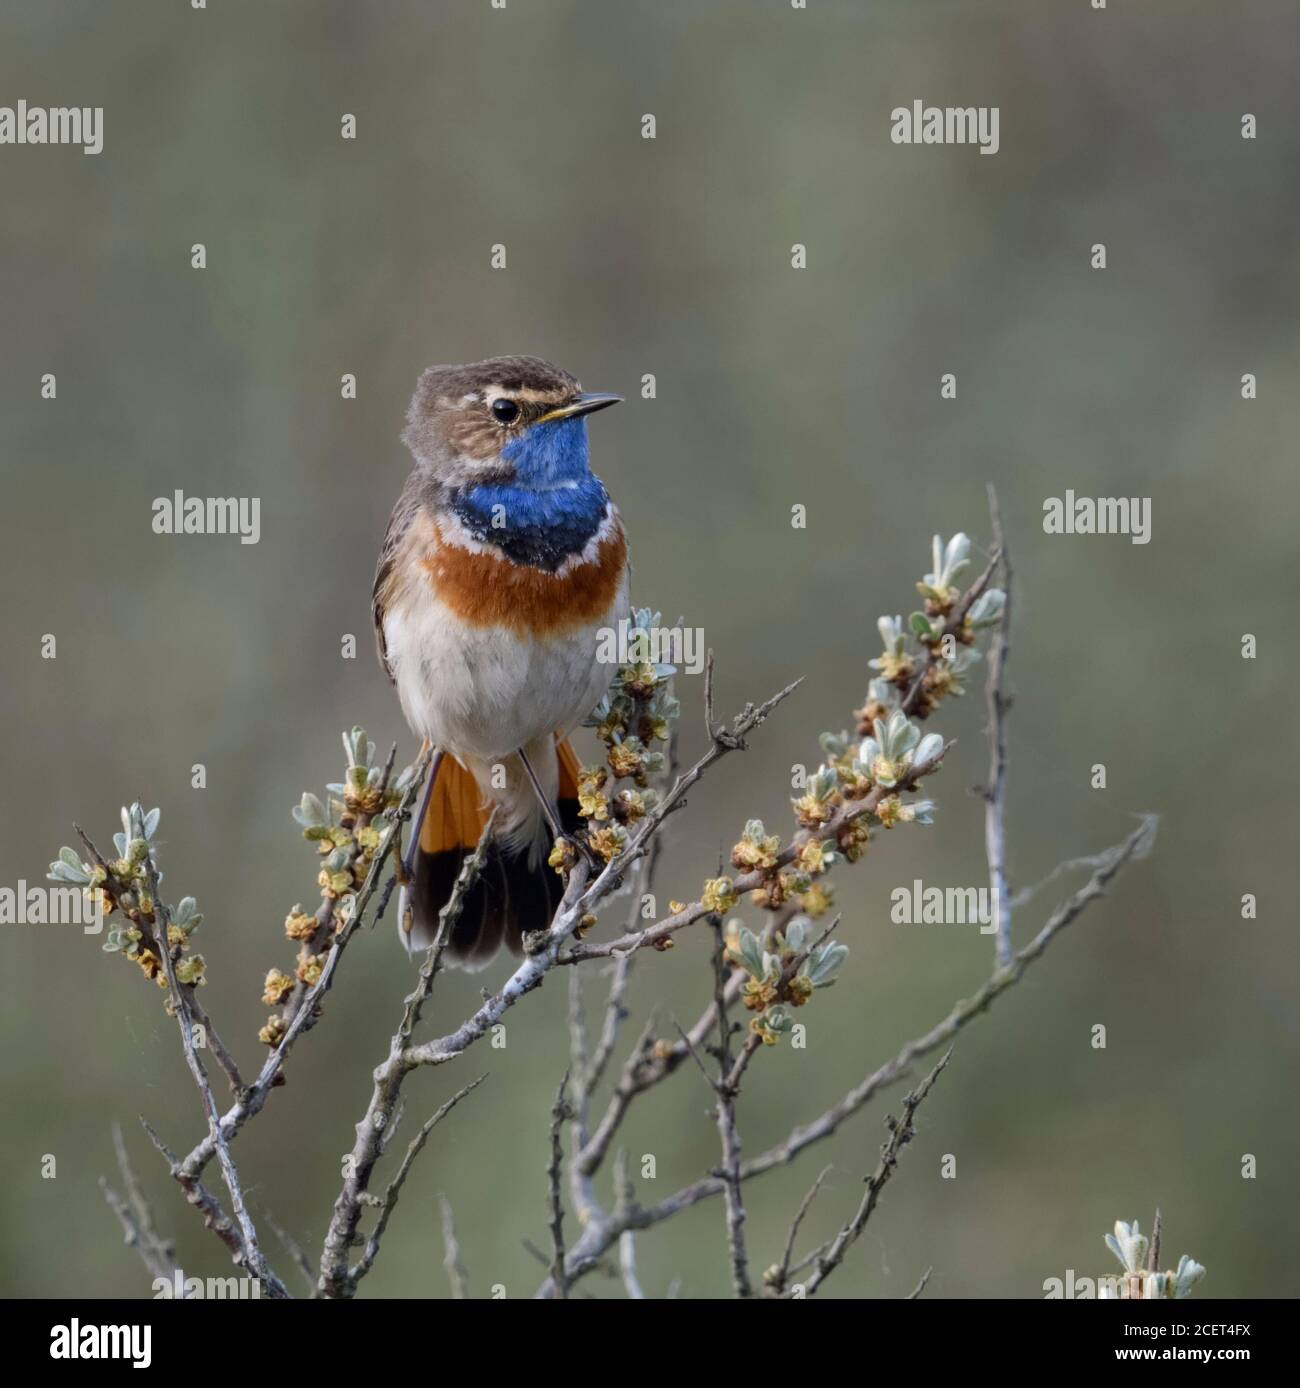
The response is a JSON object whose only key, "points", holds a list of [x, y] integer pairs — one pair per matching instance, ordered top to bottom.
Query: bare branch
{"points": [[995, 793], [727, 1086], [198, 1195], [626, 1197]]}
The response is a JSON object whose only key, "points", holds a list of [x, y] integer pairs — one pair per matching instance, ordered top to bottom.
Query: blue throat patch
{"points": [[552, 508]]}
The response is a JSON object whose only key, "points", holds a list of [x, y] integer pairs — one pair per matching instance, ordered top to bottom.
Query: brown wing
{"points": [[386, 570]]}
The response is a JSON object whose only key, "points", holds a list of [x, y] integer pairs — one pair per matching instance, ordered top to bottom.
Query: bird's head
{"points": [[507, 421]]}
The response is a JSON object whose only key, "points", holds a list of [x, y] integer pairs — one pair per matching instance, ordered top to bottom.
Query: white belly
{"points": [[482, 693]]}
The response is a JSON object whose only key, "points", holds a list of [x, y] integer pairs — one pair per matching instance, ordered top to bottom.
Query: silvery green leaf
{"points": [[957, 555], [936, 558], [986, 610], [920, 624], [834, 744], [929, 750], [823, 782], [922, 811], [309, 812], [126, 821], [151, 822], [754, 829], [119, 842], [338, 859], [73, 861], [62, 872], [185, 909], [796, 933], [112, 943], [751, 952], [824, 963], [778, 1019], [1128, 1245], [1188, 1273]]}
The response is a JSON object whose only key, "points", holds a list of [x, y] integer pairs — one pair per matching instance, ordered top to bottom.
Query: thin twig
{"points": [[901, 1132], [554, 1201], [388, 1202], [136, 1217], [293, 1249], [451, 1258], [779, 1275]]}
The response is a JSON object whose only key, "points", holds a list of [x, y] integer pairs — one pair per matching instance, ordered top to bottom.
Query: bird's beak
{"points": [[586, 403]]}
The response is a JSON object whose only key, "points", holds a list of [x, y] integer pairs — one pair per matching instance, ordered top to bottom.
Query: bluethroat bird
{"points": [[503, 560]]}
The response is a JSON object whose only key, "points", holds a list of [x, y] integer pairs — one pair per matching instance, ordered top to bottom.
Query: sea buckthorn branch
{"points": [[128, 885], [158, 940], [250, 1103], [600, 1236], [337, 1279]]}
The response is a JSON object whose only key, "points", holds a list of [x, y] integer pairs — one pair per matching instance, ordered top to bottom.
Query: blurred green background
{"points": [[775, 387]]}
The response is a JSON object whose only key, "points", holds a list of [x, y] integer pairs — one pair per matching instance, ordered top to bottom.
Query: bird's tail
{"points": [[517, 891]]}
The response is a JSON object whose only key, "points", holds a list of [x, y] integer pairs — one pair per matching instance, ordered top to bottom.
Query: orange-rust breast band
{"points": [[488, 591]]}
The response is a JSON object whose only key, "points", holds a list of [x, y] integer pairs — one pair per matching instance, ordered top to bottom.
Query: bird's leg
{"points": [[551, 814], [406, 865]]}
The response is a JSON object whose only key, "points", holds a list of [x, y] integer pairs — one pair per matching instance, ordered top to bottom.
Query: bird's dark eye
{"points": [[505, 411]]}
